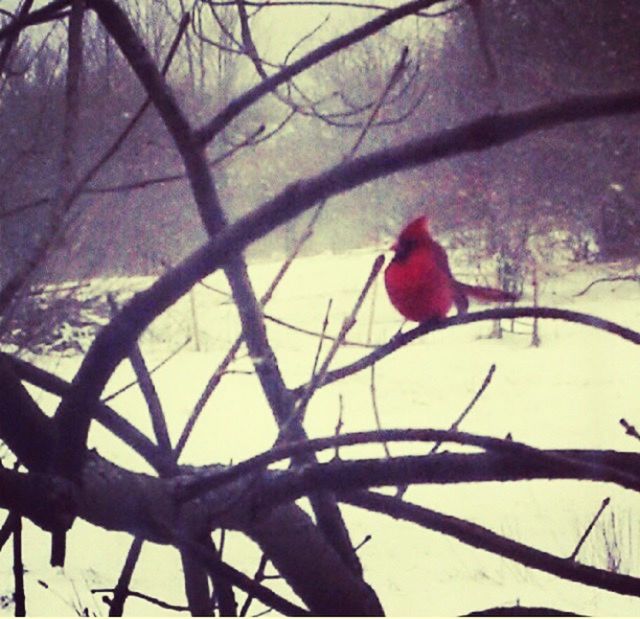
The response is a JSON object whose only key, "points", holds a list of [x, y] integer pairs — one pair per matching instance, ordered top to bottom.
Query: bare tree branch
{"points": [[50, 12], [10, 41], [238, 105], [600, 280], [508, 312], [317, 334], [154, 369], [317, 380], [154, 405], [456, 424], [630, 429], [7, 527], [589, 528], [480, 537], [18, 571], [121, 590], [138, 594]]}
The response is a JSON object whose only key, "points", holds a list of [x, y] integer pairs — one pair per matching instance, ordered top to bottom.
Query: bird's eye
{"points": [[404, 248]]}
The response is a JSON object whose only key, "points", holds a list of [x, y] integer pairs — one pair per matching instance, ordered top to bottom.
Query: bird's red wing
{"points": [[441, 259], [442, 262]]}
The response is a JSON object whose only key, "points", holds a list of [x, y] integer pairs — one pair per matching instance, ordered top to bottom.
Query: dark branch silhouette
{"points": [[550, 313], [480, 537]]}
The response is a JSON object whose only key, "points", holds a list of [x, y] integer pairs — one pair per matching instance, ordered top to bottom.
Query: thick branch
{"points": [[26, 430], [514, 459], [35, 496]]}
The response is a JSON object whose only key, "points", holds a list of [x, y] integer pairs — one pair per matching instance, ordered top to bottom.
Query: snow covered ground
{"points": [[570, 392]]}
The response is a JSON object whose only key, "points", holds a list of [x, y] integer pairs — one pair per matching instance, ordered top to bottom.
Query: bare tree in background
{"points": [[58, 480]]}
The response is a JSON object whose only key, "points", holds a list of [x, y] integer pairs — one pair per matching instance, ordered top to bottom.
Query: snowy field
{"points": [[570, 392]]}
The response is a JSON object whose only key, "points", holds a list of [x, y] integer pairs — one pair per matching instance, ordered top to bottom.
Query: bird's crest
{"points": [[416, 230]]}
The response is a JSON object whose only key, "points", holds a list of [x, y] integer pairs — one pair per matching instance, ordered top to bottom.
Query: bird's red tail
{"points": [[483, 293]]}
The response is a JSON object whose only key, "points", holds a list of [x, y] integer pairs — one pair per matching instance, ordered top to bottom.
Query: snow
{"points": [[570, 392]]}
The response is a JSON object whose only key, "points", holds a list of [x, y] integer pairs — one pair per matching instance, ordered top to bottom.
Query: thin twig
{"points": [[397, 71], [621, 278], [298, 329], [323, 332], [154, 369], [220, 371], [318, 378], [372, 378], [210, 387], [148, 390], [150, 394], [374, 406], [339, 424], [456, 424], [630, 430], [7, 527], [367, 538], [576, 550], [259, 576], [121, 590], [143, 596], [20, 608]]}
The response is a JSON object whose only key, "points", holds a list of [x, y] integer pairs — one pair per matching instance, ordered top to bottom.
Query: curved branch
{"points": [[403, 339], [480, 537]]}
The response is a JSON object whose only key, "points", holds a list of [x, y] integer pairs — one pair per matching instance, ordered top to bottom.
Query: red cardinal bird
{"points": [[419, 281]]}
